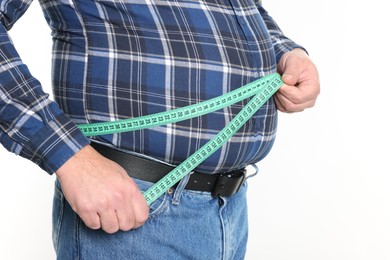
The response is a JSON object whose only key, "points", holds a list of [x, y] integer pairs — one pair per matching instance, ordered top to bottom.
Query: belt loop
{"points": [[256, 168], [179, 189]]}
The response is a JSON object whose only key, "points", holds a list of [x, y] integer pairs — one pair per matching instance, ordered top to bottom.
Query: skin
{"points": [[302, 84], [101, 192], [104, 196]]}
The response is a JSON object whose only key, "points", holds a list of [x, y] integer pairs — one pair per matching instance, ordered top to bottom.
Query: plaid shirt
{"points": [[116, 59]]}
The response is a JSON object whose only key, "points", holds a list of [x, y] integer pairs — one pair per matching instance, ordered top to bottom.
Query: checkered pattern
{"points": [[116, 59]]}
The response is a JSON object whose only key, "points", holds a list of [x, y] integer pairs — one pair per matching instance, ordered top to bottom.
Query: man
{"points": [[123, 59]]}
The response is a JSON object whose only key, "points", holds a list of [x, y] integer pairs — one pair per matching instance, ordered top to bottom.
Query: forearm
{"points": [[31, 125]]}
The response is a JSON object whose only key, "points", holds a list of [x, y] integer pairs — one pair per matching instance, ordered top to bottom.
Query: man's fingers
{"points": [[291, 69], [289, 79], [302, 92], [295, 95], [295, 99], [285, 105], [101, 192], [141, 210], [126, 219], [91, 220], [109, 221]]}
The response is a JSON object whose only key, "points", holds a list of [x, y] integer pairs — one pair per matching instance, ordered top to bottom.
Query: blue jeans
{"points": [[182, 224]]}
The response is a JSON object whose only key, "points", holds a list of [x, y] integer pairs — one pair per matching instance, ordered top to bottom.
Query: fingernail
{"points": [[287, 77]]}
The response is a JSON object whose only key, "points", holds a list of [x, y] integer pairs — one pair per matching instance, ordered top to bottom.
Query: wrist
{"points": [[75, 163]]}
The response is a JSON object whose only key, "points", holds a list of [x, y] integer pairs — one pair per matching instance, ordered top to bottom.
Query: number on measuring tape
{"points": [[262, 89], [180, 114]]}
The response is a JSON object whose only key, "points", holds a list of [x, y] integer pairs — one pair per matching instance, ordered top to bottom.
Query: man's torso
{"points": [[122, 59]]}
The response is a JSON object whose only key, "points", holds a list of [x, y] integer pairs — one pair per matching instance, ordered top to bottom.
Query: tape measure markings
{"points": [[262, 89], [179, 114], [214, 144]]}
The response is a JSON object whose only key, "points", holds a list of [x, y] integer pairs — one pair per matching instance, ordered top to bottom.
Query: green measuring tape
{"points": [[262, 89]]}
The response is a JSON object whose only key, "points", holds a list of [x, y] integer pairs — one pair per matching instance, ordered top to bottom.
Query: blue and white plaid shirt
{"points": [[116, 59]]}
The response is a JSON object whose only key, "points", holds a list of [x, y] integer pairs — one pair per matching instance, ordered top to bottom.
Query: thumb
{"points": [[290, 69]]}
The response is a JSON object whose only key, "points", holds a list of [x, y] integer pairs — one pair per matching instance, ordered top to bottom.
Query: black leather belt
{"points": [[225, 184]]}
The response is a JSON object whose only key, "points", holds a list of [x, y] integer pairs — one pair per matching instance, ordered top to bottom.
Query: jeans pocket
{"points": [[159, 205], [57, 214]]}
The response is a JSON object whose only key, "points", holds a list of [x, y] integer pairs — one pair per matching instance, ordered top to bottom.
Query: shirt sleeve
{"points": [[281, 43], [31, 125]]}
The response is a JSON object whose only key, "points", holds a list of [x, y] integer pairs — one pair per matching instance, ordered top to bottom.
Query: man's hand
{"points": [[302, 85], [101, 192]]}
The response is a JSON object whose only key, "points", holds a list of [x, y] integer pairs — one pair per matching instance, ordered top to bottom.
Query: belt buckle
{"points": [[229, 183]]}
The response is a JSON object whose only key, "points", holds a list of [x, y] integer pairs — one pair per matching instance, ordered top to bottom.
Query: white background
{"points": [[322, 193]]}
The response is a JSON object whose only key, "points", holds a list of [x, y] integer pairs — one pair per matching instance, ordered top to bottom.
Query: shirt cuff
{"points": [[283, 45], [54, 144]]}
